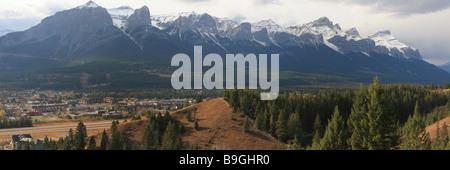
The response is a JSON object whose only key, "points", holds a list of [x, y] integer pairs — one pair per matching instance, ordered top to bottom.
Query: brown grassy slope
{"points": [[442, 91], [431, 129], [217, 130], [132, 131]]}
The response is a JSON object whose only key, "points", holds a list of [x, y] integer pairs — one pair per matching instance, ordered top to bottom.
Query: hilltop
{"points": [[216, 125], [216, 129]]}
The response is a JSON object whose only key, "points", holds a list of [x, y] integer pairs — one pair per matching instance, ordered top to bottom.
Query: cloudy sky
{"points": [[423, 24]]}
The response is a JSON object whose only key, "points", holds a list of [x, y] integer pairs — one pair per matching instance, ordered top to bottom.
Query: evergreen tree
{"points": [[244, 103], [260, 121], [372, 121], [266, 122], [356, 122], [272, 124], [196, 125], [318, 125], [246, 126], [281, 126], [294, 126], [382, 132], [444, 135], [80, 136], [334, 137], [416, 138], [171, 139], [442, 139], [150, 140], [69, 141], [104, 141], [316, 141], [116, 142], [46, 144], [60, 144], [296, 144], [92, 145]]}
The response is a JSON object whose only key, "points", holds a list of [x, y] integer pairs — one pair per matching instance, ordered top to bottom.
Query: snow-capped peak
{"points": [[90, 4], [124, 11], [187, 14], [120, 15], [159, 20], [323, 21], [225, 24], [270, 25], [322, 26], [324, 30], [353, 34], [385, 39]]}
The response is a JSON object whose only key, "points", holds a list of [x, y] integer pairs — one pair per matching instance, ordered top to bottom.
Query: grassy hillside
{"points": [[431, 129], [217, 131]]}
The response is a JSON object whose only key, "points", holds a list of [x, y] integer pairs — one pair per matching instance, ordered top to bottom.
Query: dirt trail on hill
{"points": [[218, 131]]}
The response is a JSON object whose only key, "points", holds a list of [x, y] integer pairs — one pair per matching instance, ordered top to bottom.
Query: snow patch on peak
{"points": [[90, 4], [121, 11], [187, 14], [120, 15], [161, 21], [323, 21], [224, 24], [270, 25], [322, 26], [353, 34], [385, 39]]}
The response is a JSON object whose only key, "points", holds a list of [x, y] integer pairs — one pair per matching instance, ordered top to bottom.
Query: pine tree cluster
{"points": [[380, 117]]}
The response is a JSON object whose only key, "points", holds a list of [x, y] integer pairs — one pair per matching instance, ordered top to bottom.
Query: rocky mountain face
{"points": [[91, 33], [267, 33], [72, 34]]}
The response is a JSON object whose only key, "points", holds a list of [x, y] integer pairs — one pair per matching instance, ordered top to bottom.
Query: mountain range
{"points": [[94, 46], [445, 67]]}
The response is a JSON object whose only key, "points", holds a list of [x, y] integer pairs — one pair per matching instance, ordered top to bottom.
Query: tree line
{"points": [[15, 123]]}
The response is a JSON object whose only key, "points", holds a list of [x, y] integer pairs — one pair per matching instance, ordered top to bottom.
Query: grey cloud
{"points": [[401, 7], [239, 18], [18, 24]]}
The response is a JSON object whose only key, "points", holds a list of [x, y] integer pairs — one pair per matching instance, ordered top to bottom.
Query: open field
{"points": [[55, 130]]}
